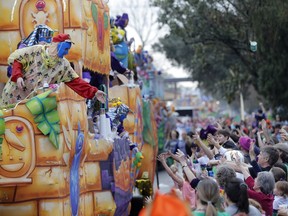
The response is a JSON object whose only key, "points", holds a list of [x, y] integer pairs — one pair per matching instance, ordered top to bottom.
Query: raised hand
{"points": [[100, 95], [263, 124], [196, 137], [211, 139], [251, 150], [162, 157], [181, 157], [148, 200]]}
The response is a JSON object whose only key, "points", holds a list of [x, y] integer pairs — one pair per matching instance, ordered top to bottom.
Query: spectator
{"points": [[260, 115], [276, 136], [222, 137], [182, 143], [189, 143], [171, 144], [244, 144], [283, 152], [266, 159], [278, 173], [224, 174], [261, 189], [188, 193], [281, 195], [208, 198], [237, 198]]}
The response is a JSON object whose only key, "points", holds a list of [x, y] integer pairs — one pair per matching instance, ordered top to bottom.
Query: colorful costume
{"points": [[38, 65]]}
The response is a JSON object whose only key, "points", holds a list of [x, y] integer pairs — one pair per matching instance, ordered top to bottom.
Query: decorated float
{"points": [[51, 162]]}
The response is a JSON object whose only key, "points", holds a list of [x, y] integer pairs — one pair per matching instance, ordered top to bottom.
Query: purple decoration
{"points": [[121, 20], [86, 75], [19, 128], [121, 151], [74, 173], [107, 176], [122, 198]]}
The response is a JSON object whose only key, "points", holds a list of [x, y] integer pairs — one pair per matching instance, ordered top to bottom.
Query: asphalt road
{"points": [[165, 182]]}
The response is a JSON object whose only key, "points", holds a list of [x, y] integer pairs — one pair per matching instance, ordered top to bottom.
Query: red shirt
{"points": [[266, 200]]}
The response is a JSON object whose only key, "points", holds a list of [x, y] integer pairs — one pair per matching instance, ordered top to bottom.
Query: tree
{"points": [[142, 19], [214, 37]]}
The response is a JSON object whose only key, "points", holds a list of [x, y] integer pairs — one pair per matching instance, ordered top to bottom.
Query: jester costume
{"points": [[43, 64]]}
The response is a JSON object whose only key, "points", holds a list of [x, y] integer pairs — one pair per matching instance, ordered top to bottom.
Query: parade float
{"points": [[51, 162]]}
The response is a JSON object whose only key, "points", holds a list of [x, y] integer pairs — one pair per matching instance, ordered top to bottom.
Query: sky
{"points": [[160, 60]]}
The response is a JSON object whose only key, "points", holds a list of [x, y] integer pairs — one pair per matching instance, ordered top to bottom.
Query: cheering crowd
{"points": [[224, 170]]}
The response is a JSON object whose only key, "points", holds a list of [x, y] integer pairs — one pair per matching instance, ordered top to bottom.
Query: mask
{"points": [[45, 34], [45, 39], [63, 49]]}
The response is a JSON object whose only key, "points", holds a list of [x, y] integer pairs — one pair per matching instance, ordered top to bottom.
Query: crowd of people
{"points": [[224, 170]]}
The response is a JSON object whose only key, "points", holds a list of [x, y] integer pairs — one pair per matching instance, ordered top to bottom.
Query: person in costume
{"points": [[42, 34], [36, 65]]}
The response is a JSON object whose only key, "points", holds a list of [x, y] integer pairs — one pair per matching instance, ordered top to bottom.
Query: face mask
{"points": [[63, 49]]}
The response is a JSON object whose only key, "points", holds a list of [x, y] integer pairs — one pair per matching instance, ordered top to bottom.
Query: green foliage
{"points": [[212, 40], [46, 115]]}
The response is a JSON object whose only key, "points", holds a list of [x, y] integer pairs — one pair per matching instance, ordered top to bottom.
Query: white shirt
{"points": [[279, 200]]}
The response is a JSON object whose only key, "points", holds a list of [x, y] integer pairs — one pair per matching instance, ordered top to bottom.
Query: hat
{"points": [[125, 16], [62, 38], [204, 132], [245, 142], [282, 146], [166, 205]]}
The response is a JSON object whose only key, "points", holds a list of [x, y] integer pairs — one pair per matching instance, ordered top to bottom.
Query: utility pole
{"points": [[240, 96], [241, 103]]}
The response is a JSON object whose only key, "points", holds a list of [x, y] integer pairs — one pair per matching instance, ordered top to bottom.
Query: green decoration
{"points": [[94, 13], [106, 21], [131, 61], [46, 115], [2, 124], [147, 132], [161, 136], [1, 153], [137, 160]]}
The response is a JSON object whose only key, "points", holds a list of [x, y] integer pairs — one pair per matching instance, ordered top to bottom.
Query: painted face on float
{"points": [[63, 49]]}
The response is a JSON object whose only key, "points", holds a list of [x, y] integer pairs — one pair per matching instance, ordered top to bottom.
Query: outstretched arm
{"points": [[85, 90], [201, 145], [162, 158], [181, 158]]}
